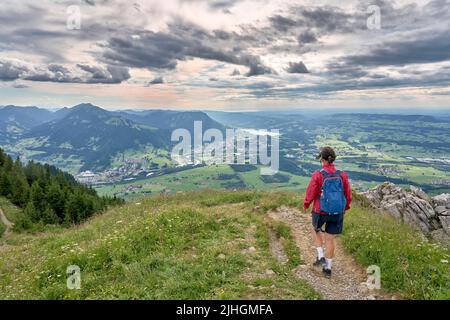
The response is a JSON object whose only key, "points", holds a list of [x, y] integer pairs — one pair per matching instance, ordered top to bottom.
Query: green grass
{"points": [[254, 181], [229, 198], [273, 200], [11, 211], [2, 228], [283, 232], [195, 246], [168, 247], [409, 263]]}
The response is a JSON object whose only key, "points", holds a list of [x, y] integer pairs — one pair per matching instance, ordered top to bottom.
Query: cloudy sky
{"points": [[225, 54]]}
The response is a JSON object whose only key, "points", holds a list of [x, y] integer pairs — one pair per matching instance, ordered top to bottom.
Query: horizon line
{"points": [[383, 109]]}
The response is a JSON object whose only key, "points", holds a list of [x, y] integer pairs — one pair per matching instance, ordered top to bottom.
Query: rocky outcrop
{"points": [[431, 215]]}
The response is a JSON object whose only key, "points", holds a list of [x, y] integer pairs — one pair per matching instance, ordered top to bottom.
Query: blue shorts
{"points": [[333, 223]]}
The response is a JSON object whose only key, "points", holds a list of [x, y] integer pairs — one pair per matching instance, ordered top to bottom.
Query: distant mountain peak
{"points": [[85, 106], [13, 107], [86, 110]]}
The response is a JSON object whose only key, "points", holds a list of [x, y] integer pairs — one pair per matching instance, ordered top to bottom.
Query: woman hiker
{"points": [[330, 191]]}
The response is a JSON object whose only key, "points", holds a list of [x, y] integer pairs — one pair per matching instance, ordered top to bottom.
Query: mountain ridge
{"points": [[93, 135]]}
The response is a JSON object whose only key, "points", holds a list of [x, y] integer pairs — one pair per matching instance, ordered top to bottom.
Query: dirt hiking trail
{"points": [[6, 222], [348, 281]]}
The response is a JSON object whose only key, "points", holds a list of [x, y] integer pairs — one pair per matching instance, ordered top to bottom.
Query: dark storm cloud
{"points": [[96, 2], [217, 4], [222, 4], [13, 16], [409, 16], [325, 19], [328, 19], [282, 23], [306, 24], [41, 29], [30, 33], [410, 34], [223, 35], [307, 37], [38, 41], [49, 44], [408, 44], [425, 49], [153, 50], [162, 50], [297, 67], [257, 69], [12, 70], [342, 70], [360, 71], [236, 72], [112, 74], [118, 74], [157, 80], [349, 83], [229, 84], [20, 86], [331, 88]]}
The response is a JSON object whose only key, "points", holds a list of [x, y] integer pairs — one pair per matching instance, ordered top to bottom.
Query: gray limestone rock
{"points": [[431, 215]]}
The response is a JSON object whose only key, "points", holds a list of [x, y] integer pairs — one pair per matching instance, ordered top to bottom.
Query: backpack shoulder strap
{"points": [[325, 173]]}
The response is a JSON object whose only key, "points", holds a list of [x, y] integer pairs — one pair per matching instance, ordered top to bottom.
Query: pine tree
{"points": [[5, 184], [19, 189], [47, 194], [37, 197], [56, 199], [72, 208], [31, 213], [49, 216]]}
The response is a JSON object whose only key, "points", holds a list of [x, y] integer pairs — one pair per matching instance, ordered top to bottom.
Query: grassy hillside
{"points": [[205, 245], [193, 246], [409, 262]]}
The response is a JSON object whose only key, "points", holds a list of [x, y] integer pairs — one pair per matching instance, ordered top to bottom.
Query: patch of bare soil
{"points": [[276, 248]]}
